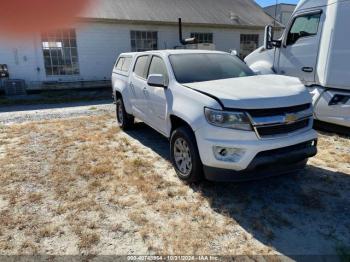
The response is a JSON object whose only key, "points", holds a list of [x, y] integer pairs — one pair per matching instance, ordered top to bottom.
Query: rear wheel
{"points": [[125, 120], [185, 156]]}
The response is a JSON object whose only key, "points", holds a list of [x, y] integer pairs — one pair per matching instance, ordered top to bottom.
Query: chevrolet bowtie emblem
{"points": [[290, 118]]}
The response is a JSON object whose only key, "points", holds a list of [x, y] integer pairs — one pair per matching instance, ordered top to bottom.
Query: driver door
{"points": [[299, 51], [157, 107]]}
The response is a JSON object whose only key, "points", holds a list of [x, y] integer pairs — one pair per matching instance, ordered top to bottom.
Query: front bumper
{"points": [[325, 111], [256, 151], [267, 164]]}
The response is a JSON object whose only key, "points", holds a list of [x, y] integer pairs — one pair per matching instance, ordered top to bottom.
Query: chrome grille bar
{"points": [[288, 122]]}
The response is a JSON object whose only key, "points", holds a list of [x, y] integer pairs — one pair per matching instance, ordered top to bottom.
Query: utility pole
{"points": [[274, 22]]}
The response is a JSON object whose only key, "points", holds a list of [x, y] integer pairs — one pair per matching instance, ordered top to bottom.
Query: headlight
{"points": [[227, 119]]}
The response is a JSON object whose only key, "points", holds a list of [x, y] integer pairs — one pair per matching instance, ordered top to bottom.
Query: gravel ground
{"points": [[21, 114], [82, 186]]}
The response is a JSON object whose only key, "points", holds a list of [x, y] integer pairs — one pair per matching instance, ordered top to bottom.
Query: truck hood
{"points": [[255, 92]]}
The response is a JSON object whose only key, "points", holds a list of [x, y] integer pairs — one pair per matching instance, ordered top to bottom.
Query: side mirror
{"points": [[268, 39], [269, 42], [234, 52], [157, 80]]}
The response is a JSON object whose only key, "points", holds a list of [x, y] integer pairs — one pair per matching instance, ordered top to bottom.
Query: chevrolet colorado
{"points": [[223, 121]]}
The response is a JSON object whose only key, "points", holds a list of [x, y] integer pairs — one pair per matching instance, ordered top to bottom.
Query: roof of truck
{"points": [[306, 4], [244, 13], [173, 52]]}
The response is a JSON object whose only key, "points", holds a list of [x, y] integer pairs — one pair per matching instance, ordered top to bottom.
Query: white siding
{"points": [[99, 44], [22, 58]]}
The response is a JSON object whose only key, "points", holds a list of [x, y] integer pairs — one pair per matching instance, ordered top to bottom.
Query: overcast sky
{"points": [[264, 3]]}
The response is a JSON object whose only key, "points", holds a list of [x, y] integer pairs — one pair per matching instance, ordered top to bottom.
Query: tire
{"points": [[125, 120], [183, 148]]}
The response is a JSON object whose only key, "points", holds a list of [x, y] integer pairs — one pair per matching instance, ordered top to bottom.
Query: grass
{"points": [[333, 150], [86, 172], [83, 185], [48, 231]]}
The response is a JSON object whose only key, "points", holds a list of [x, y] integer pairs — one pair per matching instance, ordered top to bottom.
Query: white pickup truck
{"points": [[223, 121]]}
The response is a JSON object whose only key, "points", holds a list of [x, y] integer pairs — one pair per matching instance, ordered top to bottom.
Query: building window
{"points": [[203, 38], [143, 41], [248, 44], [60, 52]]}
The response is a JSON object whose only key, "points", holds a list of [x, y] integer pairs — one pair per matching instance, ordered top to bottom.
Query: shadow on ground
{"points": [[327, 127], [151, 139], [297, 214]]}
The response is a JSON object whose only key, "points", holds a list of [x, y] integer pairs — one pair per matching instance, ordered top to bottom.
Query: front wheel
{"points": [[125, 121], [185, 156]]}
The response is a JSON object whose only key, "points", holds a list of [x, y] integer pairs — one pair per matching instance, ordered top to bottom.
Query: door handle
{"points": [[307, 69], [132, 88]]}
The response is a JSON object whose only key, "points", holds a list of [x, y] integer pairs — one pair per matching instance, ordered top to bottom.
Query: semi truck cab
{"points": [[315, 48]]}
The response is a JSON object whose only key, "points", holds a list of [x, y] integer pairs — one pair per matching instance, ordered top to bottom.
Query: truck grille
{"points": [[278, 111], [277, 122], [266, 131]]}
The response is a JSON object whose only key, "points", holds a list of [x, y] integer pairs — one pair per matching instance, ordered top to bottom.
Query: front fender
{"points": [[188, 105]]}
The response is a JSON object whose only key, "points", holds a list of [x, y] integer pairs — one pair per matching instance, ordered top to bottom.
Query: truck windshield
{"points": [[190, 68]]}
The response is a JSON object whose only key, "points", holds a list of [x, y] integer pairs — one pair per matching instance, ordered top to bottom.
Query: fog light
{"points": [[228, 154]]}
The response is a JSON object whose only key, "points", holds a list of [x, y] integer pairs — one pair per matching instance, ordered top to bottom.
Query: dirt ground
{"points": [[79, 185]]}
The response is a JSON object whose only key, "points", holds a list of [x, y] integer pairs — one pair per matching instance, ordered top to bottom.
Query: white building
{"points": [[281, 12], [84, 54]]}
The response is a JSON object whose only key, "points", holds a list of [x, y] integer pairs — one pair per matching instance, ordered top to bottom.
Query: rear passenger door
{"points": [[138, 86], [157, 109]]}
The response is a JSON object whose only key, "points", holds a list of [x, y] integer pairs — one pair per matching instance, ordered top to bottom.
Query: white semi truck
{"points": [[315, 47]]}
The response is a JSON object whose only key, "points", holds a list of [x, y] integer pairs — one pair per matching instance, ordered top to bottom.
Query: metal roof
{"points": [[197, 12]]}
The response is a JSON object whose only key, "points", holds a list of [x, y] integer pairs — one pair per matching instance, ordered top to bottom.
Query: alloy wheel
{"points": [[182, 156]]}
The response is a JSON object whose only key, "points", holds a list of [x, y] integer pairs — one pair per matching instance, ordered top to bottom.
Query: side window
{"points": [[303, 26], [120, 63], [123, 64], [126, 64], [140, 66], [158, 67]]}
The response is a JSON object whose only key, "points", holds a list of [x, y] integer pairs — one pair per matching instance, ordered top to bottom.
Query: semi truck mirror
{"points": [[268, 39]]}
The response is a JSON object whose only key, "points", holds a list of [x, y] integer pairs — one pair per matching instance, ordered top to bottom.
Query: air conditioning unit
{"points": [[15, 87]]}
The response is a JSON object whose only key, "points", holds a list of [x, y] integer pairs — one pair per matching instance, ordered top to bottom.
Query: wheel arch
{"points": [[123, 94], [176, 122], [189, 135]]}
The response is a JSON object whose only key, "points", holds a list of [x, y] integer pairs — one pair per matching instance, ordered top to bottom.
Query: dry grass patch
{"points": [[334, 152], [89, 177], [82, 186], [49, 231]]}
